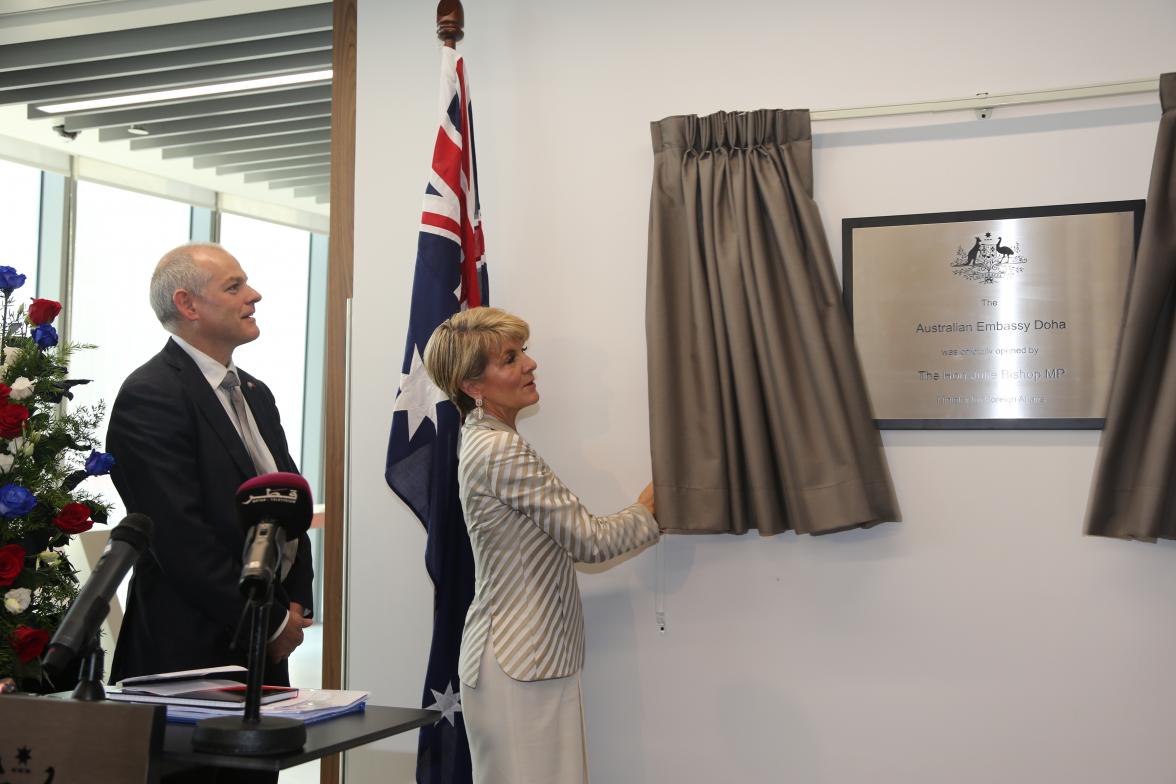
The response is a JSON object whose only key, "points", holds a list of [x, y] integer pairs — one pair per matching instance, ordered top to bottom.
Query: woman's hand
{"points": [[646, 498]]}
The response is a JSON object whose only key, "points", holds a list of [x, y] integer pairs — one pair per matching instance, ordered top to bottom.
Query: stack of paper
{"points": [[234, 671], [203, 692], [191, 695], [310, 705]]}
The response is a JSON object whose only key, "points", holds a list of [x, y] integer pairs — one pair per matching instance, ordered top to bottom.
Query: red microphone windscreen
{"points": [[281, 496]]}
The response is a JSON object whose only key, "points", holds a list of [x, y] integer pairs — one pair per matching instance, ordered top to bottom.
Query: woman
{"points": [[523, 644]]}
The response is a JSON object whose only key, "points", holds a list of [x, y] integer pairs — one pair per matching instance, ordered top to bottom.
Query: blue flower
{"points": [[10, 279], [45, 335], [99, 463], [16, 501]]}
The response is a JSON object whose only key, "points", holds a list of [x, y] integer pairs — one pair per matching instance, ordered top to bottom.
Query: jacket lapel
{"points": [[196, 387], [267, 424]]}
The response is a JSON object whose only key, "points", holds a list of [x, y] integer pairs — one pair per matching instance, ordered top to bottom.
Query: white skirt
{"points": [[524, 732]]}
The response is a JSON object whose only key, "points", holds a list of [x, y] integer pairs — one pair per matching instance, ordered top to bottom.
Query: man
{"points": [[183, 446]]}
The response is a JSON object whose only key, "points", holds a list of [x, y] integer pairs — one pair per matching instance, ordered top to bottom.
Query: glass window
{"points": [[20, 220], [120, 236], [277, 260]]}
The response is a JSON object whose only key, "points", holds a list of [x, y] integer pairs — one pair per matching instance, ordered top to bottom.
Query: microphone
{"points": [[274, 508], [128, 541]]}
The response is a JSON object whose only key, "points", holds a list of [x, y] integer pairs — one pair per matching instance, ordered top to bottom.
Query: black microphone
{"points": [[274, 509], [128, 541]]}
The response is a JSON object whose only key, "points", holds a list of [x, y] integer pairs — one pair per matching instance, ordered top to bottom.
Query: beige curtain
{"points": [[759, 416], [1134, 492]]}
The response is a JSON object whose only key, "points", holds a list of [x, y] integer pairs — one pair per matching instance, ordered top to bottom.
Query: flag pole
{"points": [[450, 22]]}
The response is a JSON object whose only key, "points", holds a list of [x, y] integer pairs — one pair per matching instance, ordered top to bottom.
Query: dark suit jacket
{"points": [[179, 460]]}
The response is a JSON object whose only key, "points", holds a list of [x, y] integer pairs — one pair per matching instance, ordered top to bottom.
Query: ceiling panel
{"points": [[164, 38], [164, 61], [170, 79], [295, 96], [318, 111], [234, 129], [220, 134], [251, 143], [279, 153], [252, 166], [270, 175]]}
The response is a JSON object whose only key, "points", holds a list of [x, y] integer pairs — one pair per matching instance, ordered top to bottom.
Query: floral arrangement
{"points": [[45, 453]]}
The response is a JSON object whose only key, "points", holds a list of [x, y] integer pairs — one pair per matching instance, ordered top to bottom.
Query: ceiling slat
{"points": [[164, 38], [163, 61], [170, 80], [198, 108], [317, 111], [139, 142], [254, 143], [280, 153], [289, 163], [288, 174], [323, 179], [312, 190]]}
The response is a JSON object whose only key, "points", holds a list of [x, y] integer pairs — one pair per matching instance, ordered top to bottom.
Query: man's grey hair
{"points": [[178, 269]]}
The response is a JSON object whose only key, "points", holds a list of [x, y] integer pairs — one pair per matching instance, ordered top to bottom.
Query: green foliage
{"points": [[45, 455]]}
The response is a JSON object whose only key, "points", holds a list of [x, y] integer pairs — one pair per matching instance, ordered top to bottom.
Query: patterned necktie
{"points": [[253, 444], [258, 452]]}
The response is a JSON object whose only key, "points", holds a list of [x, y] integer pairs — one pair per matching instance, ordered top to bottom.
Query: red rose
{"points": [[43, 311], [5, 391], [12, 417], [74, 518], [12, 557], [29, 642]]}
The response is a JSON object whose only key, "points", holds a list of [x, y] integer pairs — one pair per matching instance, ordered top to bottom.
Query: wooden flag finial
{"points": [[450, 22]]}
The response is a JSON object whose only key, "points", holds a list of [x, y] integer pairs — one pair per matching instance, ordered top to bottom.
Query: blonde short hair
{"points": [[461, 346]]}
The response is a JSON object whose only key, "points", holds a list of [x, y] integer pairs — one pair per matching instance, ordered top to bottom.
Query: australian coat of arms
{"points": [[988, 260]]}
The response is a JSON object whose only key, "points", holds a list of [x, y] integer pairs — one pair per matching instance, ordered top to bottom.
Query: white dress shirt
{"points": [[214, 373]]}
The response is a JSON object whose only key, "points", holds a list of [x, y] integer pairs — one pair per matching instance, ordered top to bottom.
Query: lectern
{"points": [[47, 739]]}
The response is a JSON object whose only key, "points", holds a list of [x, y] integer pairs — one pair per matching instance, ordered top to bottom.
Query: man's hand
{"points": [[284, 644]]}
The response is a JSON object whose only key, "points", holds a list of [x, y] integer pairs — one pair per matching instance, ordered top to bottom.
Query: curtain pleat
{"points": [[758, 412], [1134, 490]]}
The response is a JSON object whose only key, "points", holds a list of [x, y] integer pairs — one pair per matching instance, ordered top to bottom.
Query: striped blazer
{"points": [[527, 530]]}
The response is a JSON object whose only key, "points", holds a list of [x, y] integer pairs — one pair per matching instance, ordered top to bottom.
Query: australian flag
{"points": [[450, 276]]}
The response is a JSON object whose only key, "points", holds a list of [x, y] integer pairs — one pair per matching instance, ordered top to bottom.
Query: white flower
{"points": [[11, 354], [22, 388], [23, 446], [6, 462], [48, 557], [17, 600]]}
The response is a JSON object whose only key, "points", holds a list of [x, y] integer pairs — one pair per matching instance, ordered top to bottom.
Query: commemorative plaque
{"points": [[990, 319]]}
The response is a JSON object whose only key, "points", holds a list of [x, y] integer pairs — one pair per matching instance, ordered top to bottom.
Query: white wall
{"points": [[985, 638]]}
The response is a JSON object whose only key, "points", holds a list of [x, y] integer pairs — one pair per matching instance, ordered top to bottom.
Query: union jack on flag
{"points": [[421, 468]]}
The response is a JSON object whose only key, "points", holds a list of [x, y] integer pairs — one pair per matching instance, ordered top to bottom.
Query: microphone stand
{"points": [[253, 684], [89, 688], [252, 733]]}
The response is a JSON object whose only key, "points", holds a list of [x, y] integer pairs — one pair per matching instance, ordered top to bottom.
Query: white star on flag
{"points": [[419, 396], [448, 703]]}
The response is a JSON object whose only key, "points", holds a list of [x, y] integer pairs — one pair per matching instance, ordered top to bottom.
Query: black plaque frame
{"points": [[848, 225]]}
